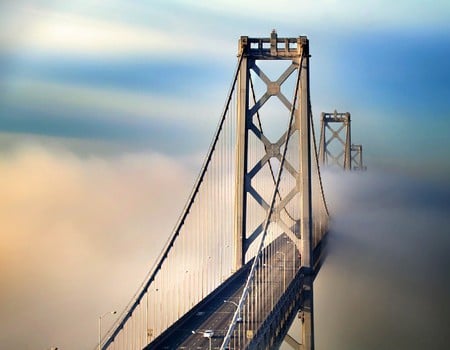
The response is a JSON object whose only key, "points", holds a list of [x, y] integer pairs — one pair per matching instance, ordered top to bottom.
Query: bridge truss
{"points": [[335, 143], [357, 158]]}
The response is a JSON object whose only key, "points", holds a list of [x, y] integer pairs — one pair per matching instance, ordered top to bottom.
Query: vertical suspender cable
{"points": [[135, 301]]}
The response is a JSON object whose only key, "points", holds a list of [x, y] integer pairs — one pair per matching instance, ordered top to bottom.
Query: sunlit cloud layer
{"points": [[167, 28], [33, 29], [64, 33], [78, 236]]}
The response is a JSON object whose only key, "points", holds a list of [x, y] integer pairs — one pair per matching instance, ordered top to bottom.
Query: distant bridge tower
{"points": [[337, 153], [357, 158]]}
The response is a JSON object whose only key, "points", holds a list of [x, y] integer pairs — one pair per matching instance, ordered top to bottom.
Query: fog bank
{"points": [[78, 237], [386, 282]]}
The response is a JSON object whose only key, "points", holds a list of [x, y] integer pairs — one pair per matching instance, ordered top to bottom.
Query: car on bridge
{"points": [[208, 333]]}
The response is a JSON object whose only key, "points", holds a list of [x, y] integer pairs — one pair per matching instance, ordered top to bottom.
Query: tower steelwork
{"points": [[259, 49], [251, 51], [335, 153], [357, 158]]}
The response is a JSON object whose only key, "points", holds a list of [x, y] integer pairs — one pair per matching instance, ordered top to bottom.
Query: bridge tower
{"points": [[273, 48], [250, 51], [327, 153], [357, 158]]}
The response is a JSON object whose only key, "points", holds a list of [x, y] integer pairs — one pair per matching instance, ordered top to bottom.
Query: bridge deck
{"points": [[213, 314]]}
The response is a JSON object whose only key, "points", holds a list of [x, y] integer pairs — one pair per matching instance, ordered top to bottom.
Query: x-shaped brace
{"points": [[273, 150]]}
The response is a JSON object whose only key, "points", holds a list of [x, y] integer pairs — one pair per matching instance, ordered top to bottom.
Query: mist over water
{"points": [[78, 235], [386, 282]]}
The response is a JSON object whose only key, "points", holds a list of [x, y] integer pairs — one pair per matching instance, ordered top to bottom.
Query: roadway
{"points": [[215, 315]]}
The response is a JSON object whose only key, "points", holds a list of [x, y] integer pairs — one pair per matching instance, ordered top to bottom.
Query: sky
{"points": [[107, 110]]}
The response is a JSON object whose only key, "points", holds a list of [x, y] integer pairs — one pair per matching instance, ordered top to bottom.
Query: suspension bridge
{"points": [[239, 266]]}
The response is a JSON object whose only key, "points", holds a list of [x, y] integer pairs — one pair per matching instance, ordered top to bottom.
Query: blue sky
{"points": [[128, 73], [107, 109]]}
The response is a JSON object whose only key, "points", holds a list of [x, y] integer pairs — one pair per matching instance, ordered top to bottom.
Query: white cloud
{"points": [[323, 13], [181, 29], [67, 33], [70, 33]]}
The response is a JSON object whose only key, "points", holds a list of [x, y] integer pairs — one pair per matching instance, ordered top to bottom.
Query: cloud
{"points": [[346, 14], [175, 29], [65, 33], [69, 33], [78, 236], [385, 282]]}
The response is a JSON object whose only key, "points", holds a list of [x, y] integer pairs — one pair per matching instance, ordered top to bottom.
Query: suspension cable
{"points": [[317, 159], [135, 301]]}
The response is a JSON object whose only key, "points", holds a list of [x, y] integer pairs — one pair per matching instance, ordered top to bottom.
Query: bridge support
{"points": [[252, 50], [296, 50], [328, 155], [357, 158], [304, 179], [241, 184], [307, 316], [300, 335]]}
